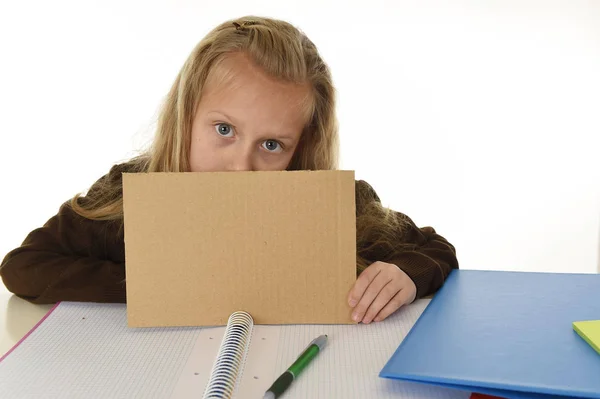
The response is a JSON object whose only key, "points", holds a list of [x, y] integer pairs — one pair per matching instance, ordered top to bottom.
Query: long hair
{"points": [[283, 52]]}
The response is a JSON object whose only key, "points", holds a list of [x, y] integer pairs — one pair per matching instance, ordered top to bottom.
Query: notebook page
{"points": [[85, 350], [349, 365], [256, 372], [195, 375]]}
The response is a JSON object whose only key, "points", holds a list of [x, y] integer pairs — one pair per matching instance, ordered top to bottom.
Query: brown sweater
{"points": [[71, 258]]}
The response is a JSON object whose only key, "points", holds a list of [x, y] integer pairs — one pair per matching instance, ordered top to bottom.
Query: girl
{"points": [[254, 94]]}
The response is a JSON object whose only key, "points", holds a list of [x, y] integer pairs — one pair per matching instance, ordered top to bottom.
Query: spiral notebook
{"points": [[83, 350]]}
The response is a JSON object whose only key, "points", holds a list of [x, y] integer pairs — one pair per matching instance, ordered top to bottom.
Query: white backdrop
{"points": [[478, 118]]}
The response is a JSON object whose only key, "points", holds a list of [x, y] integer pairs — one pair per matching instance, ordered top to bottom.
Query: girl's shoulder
{"points": [[134, 165], [114, 176], [365, 192], [103, 198]]}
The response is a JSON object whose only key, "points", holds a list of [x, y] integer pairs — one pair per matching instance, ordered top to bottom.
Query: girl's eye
{"points": [[224, 130], [272, 146]]}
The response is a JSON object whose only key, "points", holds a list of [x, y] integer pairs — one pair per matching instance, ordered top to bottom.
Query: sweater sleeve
{"points": [[427, 257], [66, 260], [430, 262]]}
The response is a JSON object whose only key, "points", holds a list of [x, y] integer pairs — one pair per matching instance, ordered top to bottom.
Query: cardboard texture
{"points": [[278, 245]]}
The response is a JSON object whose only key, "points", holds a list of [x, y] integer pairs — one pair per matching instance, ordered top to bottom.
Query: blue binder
{"points": [[507, 334]]}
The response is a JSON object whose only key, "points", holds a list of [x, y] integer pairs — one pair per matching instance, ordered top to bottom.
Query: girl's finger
{"points": [[380, 281], [362, 283], [385, 295], [394, 304]]}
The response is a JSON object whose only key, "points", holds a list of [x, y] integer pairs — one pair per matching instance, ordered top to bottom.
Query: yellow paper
{"points": [[590, 331]]}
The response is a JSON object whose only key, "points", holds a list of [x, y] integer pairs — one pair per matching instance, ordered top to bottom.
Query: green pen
{"points": [[285, 380]]}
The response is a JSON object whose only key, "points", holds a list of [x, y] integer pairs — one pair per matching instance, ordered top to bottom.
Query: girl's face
{"points": [[246, 121]]}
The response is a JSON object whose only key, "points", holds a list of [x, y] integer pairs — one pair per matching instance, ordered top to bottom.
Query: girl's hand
{"points": [[379, 291]]}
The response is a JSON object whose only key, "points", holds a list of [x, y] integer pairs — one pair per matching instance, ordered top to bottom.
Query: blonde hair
{"points": [[283, 52]]}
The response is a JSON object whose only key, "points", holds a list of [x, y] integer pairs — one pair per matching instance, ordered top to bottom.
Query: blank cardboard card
{"points": [[200, 246]]}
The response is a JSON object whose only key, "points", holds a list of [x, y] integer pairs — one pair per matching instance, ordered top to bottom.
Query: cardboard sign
{"points": [[278, 245]]}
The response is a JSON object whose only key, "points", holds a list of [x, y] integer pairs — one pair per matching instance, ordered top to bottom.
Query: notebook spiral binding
{"points": [[231, 357]]}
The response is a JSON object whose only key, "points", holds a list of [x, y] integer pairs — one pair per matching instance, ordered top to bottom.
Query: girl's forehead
{"points": [[237, 78]]}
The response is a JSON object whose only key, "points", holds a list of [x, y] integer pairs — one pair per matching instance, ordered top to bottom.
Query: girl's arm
{"points": [[424, 255], [70, 258], [429, 263]]}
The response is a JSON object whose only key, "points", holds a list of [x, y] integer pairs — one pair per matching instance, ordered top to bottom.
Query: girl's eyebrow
{"points": [[225, 115], [280, 136]]}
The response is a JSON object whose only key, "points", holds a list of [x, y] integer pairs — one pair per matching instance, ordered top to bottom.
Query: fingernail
{"points": [[352, 302], [355, 316]]}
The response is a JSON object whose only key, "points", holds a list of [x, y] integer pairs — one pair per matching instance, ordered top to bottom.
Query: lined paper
{"points": [[85, 350], [355, 354]]}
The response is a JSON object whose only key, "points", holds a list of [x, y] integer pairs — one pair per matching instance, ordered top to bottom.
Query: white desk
{"points": [[17, 317]]}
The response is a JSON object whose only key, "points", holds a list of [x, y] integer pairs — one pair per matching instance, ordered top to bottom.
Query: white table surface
{"points": [[17, 317]]}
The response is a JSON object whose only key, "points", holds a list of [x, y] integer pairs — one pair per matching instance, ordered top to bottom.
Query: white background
{"points": [[481, 119]]}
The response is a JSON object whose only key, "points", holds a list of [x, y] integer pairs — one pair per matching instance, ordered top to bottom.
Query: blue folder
{"points": [[508, 334]]}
